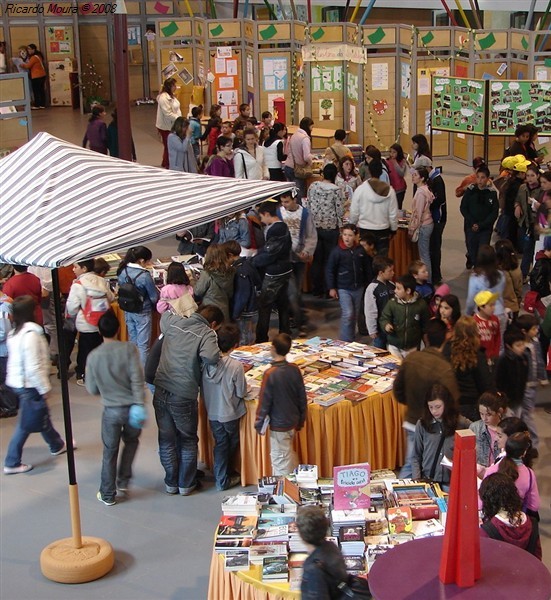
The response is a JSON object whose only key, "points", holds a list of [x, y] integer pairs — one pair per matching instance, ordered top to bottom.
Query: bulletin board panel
{"points": [[224, 30], [273, 32], [326, 33], [22, 35], [383, 35], [59, 42], [94, 45], [177, 62], [426, 69], [275, 72], [251, 85], [226, 89], [353, 89], [327, 94], [379, 99], [404, 101], [514, 102], [458, 105], [14, 133], [461, 140]]}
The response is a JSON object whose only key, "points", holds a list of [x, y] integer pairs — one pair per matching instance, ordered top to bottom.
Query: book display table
{"points": [[508, 573], [244, 585]]}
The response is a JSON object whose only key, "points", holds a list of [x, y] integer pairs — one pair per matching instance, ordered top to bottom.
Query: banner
{"points": [[332, 52]]}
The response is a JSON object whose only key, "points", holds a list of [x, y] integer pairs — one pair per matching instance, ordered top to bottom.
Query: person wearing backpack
{"points": [[137, 296], [89, 298]]}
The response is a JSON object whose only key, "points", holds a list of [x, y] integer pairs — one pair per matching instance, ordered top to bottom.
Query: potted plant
{"points": [[91, 83], [326, 105]]}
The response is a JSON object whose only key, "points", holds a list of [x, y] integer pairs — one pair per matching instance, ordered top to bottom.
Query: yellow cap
{"points": [[516, 163], [485, 297]]}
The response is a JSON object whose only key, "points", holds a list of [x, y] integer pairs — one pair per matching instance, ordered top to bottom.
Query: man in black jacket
{"points": [[439, 213], [275, 258]]}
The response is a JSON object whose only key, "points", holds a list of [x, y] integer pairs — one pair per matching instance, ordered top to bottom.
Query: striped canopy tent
{"points": [[61, 203]]}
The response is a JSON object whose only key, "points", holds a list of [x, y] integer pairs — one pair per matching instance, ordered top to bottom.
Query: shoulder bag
{"points": [[301, 171], [353, 587]]}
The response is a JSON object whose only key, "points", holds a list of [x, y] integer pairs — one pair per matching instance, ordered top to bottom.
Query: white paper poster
{"points": [[223, 52], [219, 65], [231, 67], [250, 72], [275, 74], [541, 74], [379, 76], [227, 82], [423, 82], [405, 83], [352, 86], [352, 118], [405, 120]]}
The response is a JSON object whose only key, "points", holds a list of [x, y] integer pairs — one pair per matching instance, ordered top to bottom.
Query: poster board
{"points": [[225, 71], [275, 81], [514, 102], [458, 105], [379, 106]]}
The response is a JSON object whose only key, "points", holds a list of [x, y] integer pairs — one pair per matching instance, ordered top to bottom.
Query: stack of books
{"points": [[307, 475], [242, 504], [348, 518], [236, 526], [258, 552], [236, 560], [275, 569]]}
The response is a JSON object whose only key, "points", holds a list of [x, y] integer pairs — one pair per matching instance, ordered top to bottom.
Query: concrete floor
{"points": [[162, 543]]}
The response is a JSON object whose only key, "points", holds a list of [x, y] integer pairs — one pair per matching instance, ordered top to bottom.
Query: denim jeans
{"points": [[299, 183], [474, 240], [423, 244], [528, 247], [436, 251], [295, 293], [273, 294], [350, 301], [139, 331], [527, 414], [177, 420], [114, 427], [19, 437], [226, 442], [406, 470]]}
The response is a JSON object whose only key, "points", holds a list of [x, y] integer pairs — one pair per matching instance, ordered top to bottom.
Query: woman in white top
{"points": [[168, 110], [274, 154], [181, 156], [248, 160], [28, 373]]}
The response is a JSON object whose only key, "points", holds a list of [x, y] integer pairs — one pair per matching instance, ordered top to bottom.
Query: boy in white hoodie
{"points": [[89, 298], [224, 388]]}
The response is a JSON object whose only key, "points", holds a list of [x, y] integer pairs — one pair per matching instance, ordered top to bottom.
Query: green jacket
{"points": [[409, 319]]}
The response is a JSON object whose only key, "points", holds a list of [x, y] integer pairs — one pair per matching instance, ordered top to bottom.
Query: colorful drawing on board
{"points": [[380, 106], [327, 109]]}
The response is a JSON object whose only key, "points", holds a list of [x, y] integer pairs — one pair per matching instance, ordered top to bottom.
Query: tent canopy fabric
{"points": [[61, 203]]}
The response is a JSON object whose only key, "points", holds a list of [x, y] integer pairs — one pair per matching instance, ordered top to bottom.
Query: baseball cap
{"points": [[518, 162], [485, 297]]}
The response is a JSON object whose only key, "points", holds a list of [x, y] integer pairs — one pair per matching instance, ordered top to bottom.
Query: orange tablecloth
{"points": [[402, 251], [342, 434], [243, 585]]}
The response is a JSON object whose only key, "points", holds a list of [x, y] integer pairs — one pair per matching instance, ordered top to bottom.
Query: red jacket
{"points": [[25, 284], [517, 535]]}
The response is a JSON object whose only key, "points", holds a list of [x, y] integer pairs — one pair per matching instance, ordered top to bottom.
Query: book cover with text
{"points": [[351, 486]]}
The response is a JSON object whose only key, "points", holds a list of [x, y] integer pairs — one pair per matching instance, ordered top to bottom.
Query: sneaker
{"points": [[34, 107], [80, 381], [62, 450], [20, 469], [233, 481], [194, 488], [172, 490], [106, 502]]}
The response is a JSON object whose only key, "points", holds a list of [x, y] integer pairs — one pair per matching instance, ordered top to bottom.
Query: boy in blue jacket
{"points": [[347, 275]]}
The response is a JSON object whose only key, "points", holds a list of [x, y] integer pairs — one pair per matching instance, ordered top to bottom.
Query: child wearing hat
{"points": [[516, 165], [488, 325]]}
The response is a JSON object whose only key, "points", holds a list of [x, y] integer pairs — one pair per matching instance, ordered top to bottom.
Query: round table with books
{"points": [[348, 432]]}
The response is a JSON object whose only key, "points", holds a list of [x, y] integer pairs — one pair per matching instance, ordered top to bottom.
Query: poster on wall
{"points": [[134, 35], [59, 39], [250, 72], [275, 74], [379, 76], [424, 78], [327, 79], [405, 80], [225, 82], [352, 86], [514, 102], [458, 105], [327, 109], [352, 118]]}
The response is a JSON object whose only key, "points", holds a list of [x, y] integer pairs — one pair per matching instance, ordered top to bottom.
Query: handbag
{"points": [[301, 171], [414, 235], [184, 305], [34, 415], [353, 587]]}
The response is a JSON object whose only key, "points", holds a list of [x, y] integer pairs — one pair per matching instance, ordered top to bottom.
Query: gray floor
{"points": [[162, 543]]}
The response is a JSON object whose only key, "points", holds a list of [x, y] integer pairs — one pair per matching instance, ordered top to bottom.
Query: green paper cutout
{"points": [[169, 29], [199, 29], [218, 30], [268, 33], [319, 33], [376, 36], [427, 39], [487, 41], [524, 43], [547, 62]]}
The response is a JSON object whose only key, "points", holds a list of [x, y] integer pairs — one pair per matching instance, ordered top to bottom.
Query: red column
{"points": [[460, 561]]}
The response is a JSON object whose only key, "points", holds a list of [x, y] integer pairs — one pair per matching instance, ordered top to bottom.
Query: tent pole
{"points": [[121, 86], [75, 559]]}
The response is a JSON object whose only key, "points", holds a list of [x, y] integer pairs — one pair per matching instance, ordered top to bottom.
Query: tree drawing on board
{"points": [[326, 105]]}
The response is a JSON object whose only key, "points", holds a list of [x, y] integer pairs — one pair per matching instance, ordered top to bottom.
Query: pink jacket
{"points": [[300, 149], [421, 205], [171, 291], [526, 483]]}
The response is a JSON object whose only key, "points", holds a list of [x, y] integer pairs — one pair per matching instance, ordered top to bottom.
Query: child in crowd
{"points": [[226, 130], [196, 132], [397, 169], [235, 227], [368, 242], [508, 263], [101, 266], [347, 273], [420, 273], [215, 284], [246, 287], [441, 291], [177, 294], [377, 294], [449, 310], [404, 318], [488, 325], [512, 369], [114, 372], [537, 374], [224, 389], [8, 398], [282, 401], [492, 408], [506, 428], [434, 436], [516, 464], [504, 519]]}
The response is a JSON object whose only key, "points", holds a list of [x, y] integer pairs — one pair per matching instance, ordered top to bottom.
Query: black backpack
{"points": [[130, 297]]}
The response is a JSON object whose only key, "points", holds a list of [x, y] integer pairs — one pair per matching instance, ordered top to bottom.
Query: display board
{"points": [[514, 102], [459, 105]]}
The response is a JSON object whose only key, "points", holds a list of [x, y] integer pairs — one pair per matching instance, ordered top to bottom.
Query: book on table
{"points": [[351, 486], [237, 526], [270, 534], [227, 544], [374, 551], [258, 552], [236, 560], [275, 569]]}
